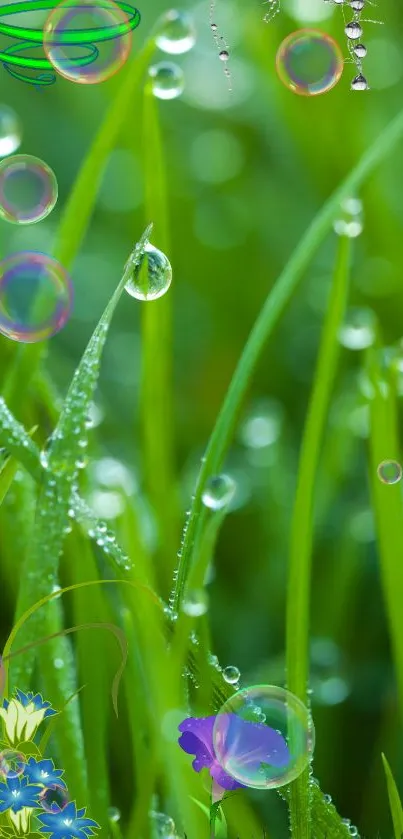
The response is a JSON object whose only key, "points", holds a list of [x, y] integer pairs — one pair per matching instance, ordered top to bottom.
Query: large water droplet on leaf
{"points": [[151, 276]]}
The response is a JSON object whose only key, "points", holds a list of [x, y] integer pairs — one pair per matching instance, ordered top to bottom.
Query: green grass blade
{"points": [[264, 325], [156, 387], [18, 442], [66, 449], [7, 473], [387, 502], [299, 574], [394, 800]]}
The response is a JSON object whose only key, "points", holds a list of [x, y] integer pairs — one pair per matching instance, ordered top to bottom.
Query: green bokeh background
{"points": [[246, 173]]}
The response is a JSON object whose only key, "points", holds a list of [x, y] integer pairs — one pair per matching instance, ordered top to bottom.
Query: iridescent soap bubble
{"points": [[176, 33], [102, 56], [309, 62], [166, 80], [10, 131], [28, 189], [151, 276], [35, 297], [389, 472], [218, 492], [270, 752], [12, 763], [54, 799]]}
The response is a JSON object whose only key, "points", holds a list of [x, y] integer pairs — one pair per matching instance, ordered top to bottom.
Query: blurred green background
{"points": [[246, 173]]}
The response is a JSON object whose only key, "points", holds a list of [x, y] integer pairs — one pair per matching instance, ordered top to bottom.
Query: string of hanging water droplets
{"points": [[354, 31], [220, 43]]}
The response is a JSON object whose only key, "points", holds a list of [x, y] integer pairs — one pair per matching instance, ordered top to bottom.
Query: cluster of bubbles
{"points": [[175, 35], [86, 43], [309, 62], [35, 290], [284, 738]]}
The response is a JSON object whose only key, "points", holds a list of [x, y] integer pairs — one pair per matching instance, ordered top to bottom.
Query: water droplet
{"points": [[353, 30], [176, 33], [360, 50], [224, 55], [166, 80], [359, 83], [10, 131], [349, 222], [151, 276], [359, 330], [95, 416], [262, 426], [44, 459], [389, 472], [218, 492], [195, 603], [58, 662], [231, 674], [327, 798], [114, 814], [163, 827], [353, 831]]}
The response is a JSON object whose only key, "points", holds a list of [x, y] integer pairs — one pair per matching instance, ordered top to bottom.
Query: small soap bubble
{"points": [[87, 18], [176, 33], [309, 62], [166, 80], [10, 131], [28, 189], [151, 276], [35, 298], [359, 330], [389, 472], [218, 492], [195, 603], [231, 674], [269, 753], [12, 763], [54, 799], [114, 814]]}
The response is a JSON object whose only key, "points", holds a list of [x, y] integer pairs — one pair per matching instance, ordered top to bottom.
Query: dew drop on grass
{"points": [[353, 30], [176, 33], [166, 80], [359, 83], [10, 131], [349, 221], [151, 276], [359, 330], [389, 472], [218, 492], [195, 603], [231, 674], [327, 798], [113, 814], [162, 826]]}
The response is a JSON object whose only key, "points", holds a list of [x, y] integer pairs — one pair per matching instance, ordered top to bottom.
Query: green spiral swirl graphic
{"points": [[14, 57]]}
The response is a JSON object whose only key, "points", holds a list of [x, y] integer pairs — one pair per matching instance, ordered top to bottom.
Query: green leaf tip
{"points": [[394, 800]]}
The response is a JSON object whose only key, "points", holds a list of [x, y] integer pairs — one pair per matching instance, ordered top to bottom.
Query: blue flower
{"points": [[37, 701], [23, 714], [43, 772], [17, 793], [68, 823]]}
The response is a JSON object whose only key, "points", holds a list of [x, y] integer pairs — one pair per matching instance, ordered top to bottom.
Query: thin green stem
{"points": [[274, 306], [299, 574]]}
